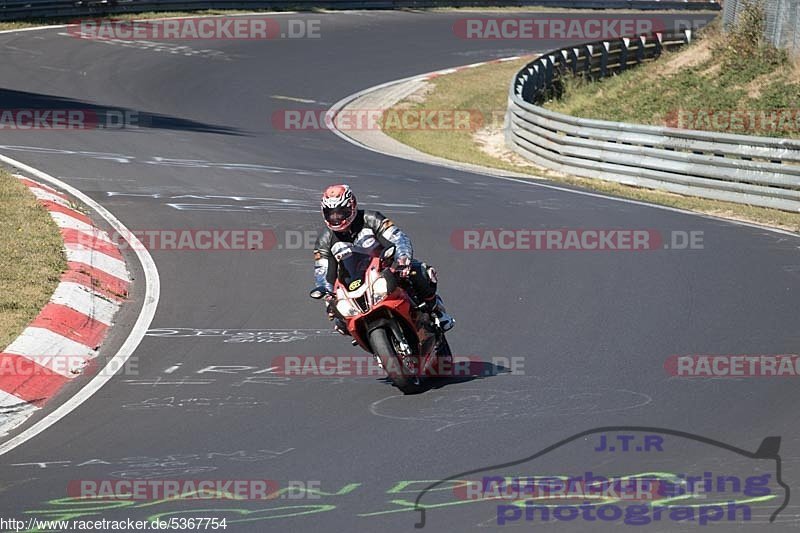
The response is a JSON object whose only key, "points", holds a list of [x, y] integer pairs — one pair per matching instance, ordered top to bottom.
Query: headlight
{"points": [[380, 288], [346, 308]]}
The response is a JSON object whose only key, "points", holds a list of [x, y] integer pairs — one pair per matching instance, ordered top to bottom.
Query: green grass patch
{"points": [[483, 89], [31, 257]]}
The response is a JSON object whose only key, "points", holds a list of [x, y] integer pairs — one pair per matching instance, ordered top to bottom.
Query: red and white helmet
{"points": [[338, 207]]}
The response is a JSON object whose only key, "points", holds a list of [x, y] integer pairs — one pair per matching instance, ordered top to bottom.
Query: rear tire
{"points": [[384, 349]]}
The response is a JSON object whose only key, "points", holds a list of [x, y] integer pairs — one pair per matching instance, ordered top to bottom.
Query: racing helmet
{"points": [[339, 207]]}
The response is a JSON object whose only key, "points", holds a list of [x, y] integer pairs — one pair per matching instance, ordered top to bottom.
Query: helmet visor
{"points": [[336, 216]]}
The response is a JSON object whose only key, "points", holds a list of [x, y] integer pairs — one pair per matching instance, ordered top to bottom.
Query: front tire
{"points": [[382, 347]]}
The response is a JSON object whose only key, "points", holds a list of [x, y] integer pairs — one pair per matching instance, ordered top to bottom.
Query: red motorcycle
{"points": [[407, 342]]}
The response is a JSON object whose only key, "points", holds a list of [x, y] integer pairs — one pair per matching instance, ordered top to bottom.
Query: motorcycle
{"points": [[406, 340]]}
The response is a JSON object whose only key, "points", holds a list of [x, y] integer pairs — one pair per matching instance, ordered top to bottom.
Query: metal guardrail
{"points": [[26, 9], [761, 171]]}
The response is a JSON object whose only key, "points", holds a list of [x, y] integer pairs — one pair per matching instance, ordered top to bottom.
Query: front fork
{"points": [[401, 346]]}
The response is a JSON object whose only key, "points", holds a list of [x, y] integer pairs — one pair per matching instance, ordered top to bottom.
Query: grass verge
{"points": [[731, 83], [485, 89], [31, 257]]}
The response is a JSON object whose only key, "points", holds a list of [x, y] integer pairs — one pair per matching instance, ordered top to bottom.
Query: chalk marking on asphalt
{"points": [[250, 14], [295, 99], [143, 321], [172, 369], [159, 381]]}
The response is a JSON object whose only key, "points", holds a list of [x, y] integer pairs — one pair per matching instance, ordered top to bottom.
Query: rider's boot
{"points": [[439, 313], [340, 326]]}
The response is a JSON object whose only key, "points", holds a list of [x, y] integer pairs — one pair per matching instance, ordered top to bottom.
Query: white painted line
{"points": [[36, 28], [293, 99], [338, 106], [99, 260], [84, 301], [145, 318], [13, 412]]}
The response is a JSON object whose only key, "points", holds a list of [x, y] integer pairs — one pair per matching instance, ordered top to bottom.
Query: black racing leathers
{"points": [[369, 229]]}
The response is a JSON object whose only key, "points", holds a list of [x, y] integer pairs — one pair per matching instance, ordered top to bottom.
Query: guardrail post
{"points": [[641, 48], [623, 56], [604, 59], [573, 60], [563, 62], [587, 64], [548, 71], [530, 83], [526, 91]]}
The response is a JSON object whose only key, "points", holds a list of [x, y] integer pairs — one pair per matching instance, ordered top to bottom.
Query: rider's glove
{"points": [[402, 266], [330, 306], [339, 325]]}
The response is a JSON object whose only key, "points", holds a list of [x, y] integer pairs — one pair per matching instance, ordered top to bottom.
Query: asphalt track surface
{"points": [[594, 328]]}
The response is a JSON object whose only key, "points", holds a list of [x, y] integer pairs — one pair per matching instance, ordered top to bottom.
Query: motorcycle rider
{"points": [[348, 225]]}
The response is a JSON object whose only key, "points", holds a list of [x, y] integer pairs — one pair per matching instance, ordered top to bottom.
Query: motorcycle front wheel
{"points": [[382, 346]]}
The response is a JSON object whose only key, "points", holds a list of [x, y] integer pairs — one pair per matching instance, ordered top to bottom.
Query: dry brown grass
{"points": [[692, 56]]}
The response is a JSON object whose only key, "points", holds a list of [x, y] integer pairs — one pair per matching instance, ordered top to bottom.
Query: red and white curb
{"points": [[64, 338]]}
